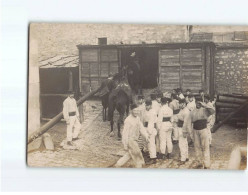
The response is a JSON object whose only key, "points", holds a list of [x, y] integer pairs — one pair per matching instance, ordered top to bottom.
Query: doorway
{"points": [[148, 60]]}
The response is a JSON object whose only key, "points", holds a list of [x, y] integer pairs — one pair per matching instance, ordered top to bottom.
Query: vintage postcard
{"points": [[137, 96]]}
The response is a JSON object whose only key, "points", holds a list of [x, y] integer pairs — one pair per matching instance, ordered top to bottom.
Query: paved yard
{"points": [[98, 149]]}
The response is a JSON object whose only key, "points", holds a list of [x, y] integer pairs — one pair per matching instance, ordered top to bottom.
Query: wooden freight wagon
{"points": [[163, 66]]}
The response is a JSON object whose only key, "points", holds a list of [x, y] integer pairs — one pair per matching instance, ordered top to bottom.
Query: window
{"points": [[240, 36], [102, 41]]}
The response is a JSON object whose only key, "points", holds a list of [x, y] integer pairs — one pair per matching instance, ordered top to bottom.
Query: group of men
{"points": [[160, 121]]}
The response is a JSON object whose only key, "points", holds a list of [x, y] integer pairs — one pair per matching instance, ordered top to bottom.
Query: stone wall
{"points": [[59, 39], [231, 70], [33, 86]]}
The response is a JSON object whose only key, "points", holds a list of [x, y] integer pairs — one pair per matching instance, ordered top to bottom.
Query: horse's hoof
{"points": [[111, 134]]}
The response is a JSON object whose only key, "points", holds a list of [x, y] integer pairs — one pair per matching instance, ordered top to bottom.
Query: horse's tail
{"points": [[105, 100]]}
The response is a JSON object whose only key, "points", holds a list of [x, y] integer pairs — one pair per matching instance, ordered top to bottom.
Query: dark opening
{"points": [[102, 41], [148, 60], [55, 81]]}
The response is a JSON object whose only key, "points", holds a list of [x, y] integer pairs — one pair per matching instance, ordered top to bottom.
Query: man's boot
{"points": [[74, 139], [175, 141], [191, 144], [160, 156], [169, 156], [151, 161], [181, 163], [197, 165]]}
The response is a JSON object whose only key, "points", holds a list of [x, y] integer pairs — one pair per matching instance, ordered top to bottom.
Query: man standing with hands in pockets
{"points": [[71, 116]]}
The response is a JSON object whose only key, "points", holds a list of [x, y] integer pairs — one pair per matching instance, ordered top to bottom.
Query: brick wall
{"points": [[55, 39], [231, 71]]}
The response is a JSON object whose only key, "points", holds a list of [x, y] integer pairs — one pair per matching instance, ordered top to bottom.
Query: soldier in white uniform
{"points": [[188, 92], [180, 94], [202, 95], [158, 97], [191, 102], [155, 105], [174, 105], [191, 106], [141, 108], [71, 116], [198, 118], [211, 118], [150, 123], [164, 124], [133, 127], [183, 142]]}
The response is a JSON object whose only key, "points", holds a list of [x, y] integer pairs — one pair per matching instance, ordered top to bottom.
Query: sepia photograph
{"points": [[137, 96]]}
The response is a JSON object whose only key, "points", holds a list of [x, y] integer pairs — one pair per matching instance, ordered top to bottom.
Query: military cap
{"points": [[153, 96], [164, 100], [148, 102], [133, 106]]}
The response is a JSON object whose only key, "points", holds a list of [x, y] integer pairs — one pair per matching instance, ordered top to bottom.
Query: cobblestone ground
{"points": [[98, 149]]}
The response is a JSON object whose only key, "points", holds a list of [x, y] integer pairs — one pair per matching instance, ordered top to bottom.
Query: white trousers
{"points": [[210, 124], [73, 128], [175, 136], [165, 140], [151, 143], [157, 143], [201, 143], [183, 145], [133, 153]]}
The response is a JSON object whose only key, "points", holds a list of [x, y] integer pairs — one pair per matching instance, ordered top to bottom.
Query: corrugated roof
{"points": [[61, 61]]}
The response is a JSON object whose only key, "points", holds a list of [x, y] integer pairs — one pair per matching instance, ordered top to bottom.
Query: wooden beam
{"points": [[54, 95], [229, 99], [226, 105], [48, 119], [217, 126]]}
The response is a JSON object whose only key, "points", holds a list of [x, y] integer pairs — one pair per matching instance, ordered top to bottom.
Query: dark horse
{"points": [[106, 87], [119, 99]]}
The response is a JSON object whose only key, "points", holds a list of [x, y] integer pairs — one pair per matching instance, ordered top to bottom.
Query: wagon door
{"points": [[182, 67], [169, 69], [192, 69]]}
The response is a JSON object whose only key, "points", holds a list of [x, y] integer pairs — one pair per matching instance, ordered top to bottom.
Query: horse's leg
{"points": [[111, 110], [127, 110], [103, 114], [106, 114], [120, 121], [112, 125]]}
